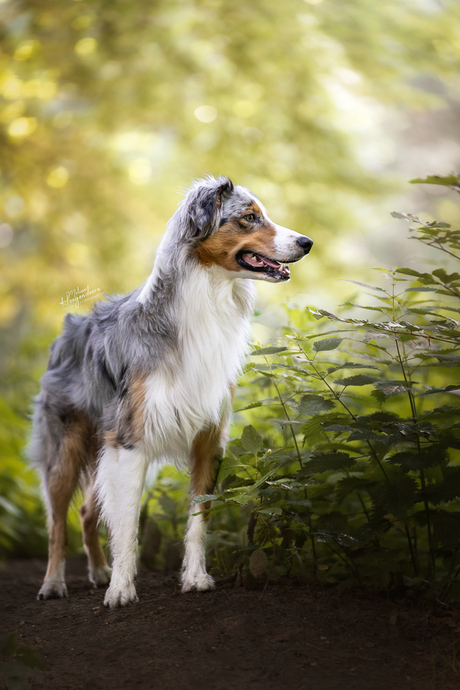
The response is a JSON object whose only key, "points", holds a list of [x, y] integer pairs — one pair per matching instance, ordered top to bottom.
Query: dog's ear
{"points": [[205, 207]]}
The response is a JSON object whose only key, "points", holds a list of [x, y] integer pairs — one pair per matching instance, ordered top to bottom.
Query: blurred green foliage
{"points": [[107, 108]]}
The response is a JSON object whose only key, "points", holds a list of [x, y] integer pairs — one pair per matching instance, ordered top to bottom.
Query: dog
{"points": [[149, 378]]}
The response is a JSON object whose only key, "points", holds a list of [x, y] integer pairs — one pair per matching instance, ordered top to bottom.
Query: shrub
{"points": [[353, 472]]}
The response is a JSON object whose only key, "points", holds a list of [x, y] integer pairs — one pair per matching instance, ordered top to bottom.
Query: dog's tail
{"points": [[43, 447]]}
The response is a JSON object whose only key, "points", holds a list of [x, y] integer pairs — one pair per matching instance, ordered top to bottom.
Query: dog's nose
{"points": [[305, 243]]}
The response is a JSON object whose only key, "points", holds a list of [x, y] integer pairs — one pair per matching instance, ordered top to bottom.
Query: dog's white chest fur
{"points": [[192, 387]]}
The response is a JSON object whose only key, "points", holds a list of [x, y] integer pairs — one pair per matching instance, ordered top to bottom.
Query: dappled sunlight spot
{"points": [[82, 21], [86, 46], [26, 49], [110, 70], [348, 76], [11, 87], [39, 88], [245, 109], [12, 111], [206, 113], [62, 119], [252, 135], [133, 140], [205, 140], [140, 171], [58, 177], [38, 205], [14, 206], [75, 224], [6, 235], [351, 250], [77, 254]]}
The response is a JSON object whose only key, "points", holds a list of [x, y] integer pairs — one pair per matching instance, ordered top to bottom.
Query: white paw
{"points": [[99, 575], [200, 583], [53, 589], [117, 595]]}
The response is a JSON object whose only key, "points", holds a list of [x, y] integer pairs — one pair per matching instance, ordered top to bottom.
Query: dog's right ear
{"points": [[204, 206]]}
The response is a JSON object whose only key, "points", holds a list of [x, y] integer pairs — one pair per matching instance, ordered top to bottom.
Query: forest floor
{"points": [[284, 637]]}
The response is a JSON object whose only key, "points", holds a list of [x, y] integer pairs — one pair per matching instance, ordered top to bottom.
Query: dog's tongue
{"points": [[256, 260]]}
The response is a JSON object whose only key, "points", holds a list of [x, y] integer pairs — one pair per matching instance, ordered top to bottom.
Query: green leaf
{"points": [[445, 181], [408, 271], [446, 277], [365, 285], [421, 289], [327, 344], [269, 351], [350, 365], [357, 380], [389, 388], [311, 404], [250, 406], [314, 427], [362, 435], [251, 439], [431, 457], [322, 462], [228, 466], [264, 478], [349, 484], [449, 490], [204, 498], [395, 498], [242, 499], [301, 502], [273, 510], [258, 562]]}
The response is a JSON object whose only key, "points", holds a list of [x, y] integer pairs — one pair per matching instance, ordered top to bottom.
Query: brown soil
{"points": [[288, 636]]}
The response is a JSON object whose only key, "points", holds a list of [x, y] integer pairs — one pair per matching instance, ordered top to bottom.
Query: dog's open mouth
{"points": [[261, 264]]}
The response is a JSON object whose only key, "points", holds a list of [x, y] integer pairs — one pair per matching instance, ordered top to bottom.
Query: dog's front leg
{"points": [[207, 450], [120, 481]]}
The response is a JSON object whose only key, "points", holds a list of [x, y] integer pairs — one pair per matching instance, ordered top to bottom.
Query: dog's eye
{"points": [[250, 217]]}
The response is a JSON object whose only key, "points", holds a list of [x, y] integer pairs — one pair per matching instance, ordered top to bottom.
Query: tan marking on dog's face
{"points": [[235, 236]]}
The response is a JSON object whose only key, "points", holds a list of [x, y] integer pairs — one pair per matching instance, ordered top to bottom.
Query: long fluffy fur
{"points": [[137, 381]]}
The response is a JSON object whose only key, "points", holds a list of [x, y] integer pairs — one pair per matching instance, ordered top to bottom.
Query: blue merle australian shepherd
{"points": [[149, 377]]}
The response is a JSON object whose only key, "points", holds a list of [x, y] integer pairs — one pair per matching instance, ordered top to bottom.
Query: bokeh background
{"points": [[109, 108]]}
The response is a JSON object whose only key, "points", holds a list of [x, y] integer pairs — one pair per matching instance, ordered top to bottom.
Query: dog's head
{"points": [[227, 226]]}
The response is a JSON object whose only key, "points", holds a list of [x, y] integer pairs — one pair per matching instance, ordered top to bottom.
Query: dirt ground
{"points": [[286, 636]]}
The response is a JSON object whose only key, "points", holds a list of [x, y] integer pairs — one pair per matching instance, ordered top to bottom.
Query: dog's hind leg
{"points": [[207, 451], [59, 482], [119, 484], [98, 570]]}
